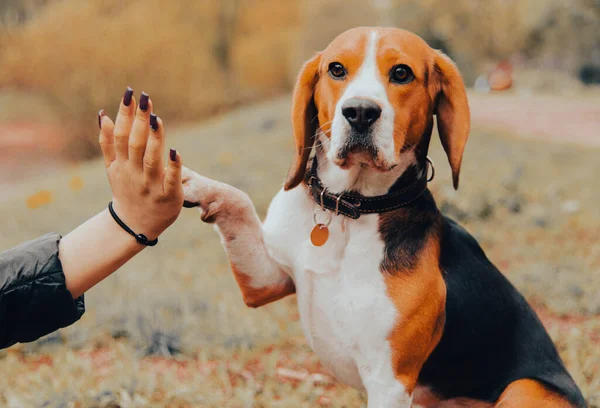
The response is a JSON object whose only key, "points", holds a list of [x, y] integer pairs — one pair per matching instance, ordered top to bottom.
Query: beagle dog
{"points": [[395, 299]]}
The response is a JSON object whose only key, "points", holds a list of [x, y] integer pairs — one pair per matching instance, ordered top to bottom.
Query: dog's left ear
{"points": [[447, 90], [304, 120]]}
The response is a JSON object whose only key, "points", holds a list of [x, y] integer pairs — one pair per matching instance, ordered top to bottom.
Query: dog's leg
{"points": [[261, 279], [382, 386], [387, 392]]}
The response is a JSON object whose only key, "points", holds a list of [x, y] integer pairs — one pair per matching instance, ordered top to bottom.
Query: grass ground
{"points": [[170, 328]]}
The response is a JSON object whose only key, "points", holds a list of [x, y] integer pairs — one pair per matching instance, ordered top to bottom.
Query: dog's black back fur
{"points": [[492, 336]]}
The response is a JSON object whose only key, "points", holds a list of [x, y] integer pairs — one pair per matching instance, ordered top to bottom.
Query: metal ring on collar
{"points": [[432, 169], [328, 219]]}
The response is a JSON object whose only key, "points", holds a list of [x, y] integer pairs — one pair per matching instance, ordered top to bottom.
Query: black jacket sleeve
{"points": [[34, 299]]}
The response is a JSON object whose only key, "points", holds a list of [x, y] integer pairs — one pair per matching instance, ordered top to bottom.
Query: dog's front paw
{"points": [[199, 191], [191, 193], [212, 197], [189, 204]]}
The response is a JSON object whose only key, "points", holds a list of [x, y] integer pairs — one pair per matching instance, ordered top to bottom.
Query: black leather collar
{"points": [[352, 205]]}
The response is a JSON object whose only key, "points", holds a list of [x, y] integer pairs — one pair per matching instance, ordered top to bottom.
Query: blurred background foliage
{"points": [[200, 58]]}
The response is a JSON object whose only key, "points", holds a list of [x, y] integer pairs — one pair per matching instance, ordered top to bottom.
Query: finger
{"points": [[123, 124], [139, 132], [107, 139], [153, 157], [173, 174]]}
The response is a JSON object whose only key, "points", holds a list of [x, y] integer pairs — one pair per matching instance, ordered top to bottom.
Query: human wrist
{"points": [[136, 221], [121, 236], [139, 237], [83, 263]]}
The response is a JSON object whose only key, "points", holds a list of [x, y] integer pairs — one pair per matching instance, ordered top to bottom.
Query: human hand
{"points": [[146, 196]]}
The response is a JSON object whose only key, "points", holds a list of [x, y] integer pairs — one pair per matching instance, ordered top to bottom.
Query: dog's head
{"points": [[373, 93]]}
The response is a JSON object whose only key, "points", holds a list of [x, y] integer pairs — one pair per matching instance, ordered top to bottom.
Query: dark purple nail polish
{"points": [[127, 96], [144, 102], [100, 114], [153, 122], [173, 154]]}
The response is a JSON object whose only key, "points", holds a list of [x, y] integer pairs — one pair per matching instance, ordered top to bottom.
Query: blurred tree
{"points": [[18, 11], [227, 19]]}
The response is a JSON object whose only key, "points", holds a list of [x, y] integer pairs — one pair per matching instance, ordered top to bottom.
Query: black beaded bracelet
{"points": [[141, 238]]}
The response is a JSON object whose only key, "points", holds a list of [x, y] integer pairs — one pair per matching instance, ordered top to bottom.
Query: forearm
{"points": [[93, 251], [260, 277]]}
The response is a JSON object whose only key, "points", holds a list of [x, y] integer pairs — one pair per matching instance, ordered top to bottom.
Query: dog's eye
{"points": [[337, 70], [401, 74]]}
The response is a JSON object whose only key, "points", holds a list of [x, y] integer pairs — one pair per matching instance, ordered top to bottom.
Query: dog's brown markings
{"points": [[350, 52], [436, 80], [447, 89], [317, 93], [411, 102], [304, 120], [419, 295], [253, 296], [257, 297], [525, 393], [529, 393], [428, 399]]}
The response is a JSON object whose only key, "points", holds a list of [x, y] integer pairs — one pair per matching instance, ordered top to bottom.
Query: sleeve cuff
{"points": [[34, 299]]}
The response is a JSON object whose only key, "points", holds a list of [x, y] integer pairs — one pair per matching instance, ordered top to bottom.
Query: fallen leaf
{"points": [[39, 199]]}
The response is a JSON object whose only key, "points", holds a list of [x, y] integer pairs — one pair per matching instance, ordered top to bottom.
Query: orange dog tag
{"points": [[319, 235]]}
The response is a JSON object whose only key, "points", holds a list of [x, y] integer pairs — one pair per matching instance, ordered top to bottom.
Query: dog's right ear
{"points": [[453, 117], [304, 120]]}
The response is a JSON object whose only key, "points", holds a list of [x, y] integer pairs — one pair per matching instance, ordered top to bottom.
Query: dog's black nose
{"points": [[361, 113]]}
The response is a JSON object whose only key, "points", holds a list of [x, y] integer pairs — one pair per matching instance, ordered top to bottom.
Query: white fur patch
{"points": [[366, 84], [368, 182], [345, 312]]}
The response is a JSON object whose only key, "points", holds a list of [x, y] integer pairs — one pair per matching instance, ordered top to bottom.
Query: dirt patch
{"points": [[562, 119], [28, 150]]}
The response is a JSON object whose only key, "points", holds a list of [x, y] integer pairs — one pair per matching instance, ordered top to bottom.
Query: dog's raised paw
{"points": [[190, 204]]}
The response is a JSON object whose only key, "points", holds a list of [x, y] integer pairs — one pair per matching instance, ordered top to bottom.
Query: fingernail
{"points": [[127, 96], [144, 102], [100, 114], [153, 122], [173, 154]]}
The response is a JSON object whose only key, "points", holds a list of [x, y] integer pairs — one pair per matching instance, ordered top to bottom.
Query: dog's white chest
{"points": [[345, 311]]}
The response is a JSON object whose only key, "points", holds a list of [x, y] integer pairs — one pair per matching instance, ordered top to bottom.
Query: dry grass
{"points": [[180, 302]]}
